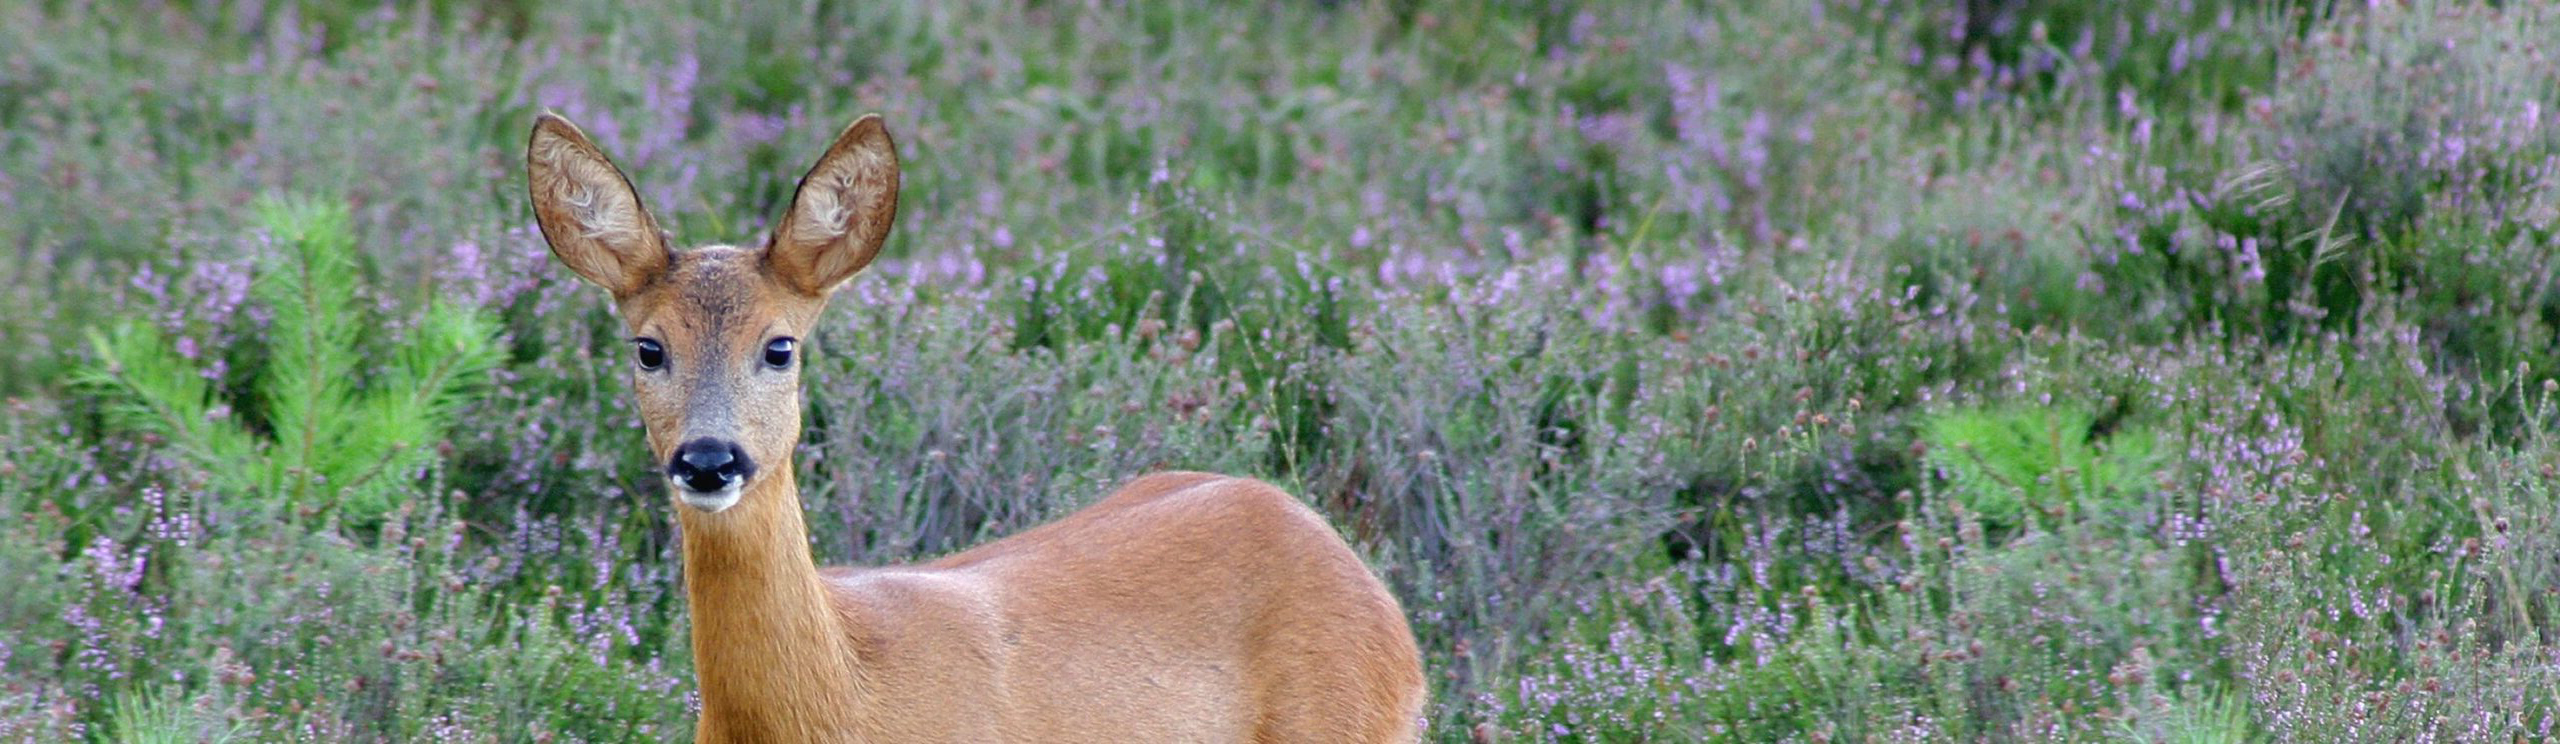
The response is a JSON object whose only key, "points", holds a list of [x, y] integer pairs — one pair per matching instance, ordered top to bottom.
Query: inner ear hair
{"points": [[588, 212], [841, 213]]}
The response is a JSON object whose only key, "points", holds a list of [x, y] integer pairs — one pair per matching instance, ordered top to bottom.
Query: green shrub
{"points": [[326, 428], [2019, 463], [157, 715], [2195, 717]]}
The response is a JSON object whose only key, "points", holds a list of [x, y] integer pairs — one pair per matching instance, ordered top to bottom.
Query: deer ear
{"points": [[588, 212], [841, 213]]}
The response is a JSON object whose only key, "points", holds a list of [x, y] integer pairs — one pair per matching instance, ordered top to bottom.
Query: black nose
{"points": [[708, 464]]}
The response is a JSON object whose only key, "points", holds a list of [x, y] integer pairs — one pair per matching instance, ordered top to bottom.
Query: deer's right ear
{"points": [[588, 212]]}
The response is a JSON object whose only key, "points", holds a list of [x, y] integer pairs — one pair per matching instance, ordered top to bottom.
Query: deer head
{"points": [[717, 332]]}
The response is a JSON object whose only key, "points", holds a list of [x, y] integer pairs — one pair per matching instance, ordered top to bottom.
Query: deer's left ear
{"points": [[841, 214]]}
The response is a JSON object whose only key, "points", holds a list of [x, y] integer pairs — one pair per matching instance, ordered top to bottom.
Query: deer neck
{"points": [[770, 652]]}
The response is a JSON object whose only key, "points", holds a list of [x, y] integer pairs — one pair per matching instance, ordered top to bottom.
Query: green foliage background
{"points": [[1807, 370]]}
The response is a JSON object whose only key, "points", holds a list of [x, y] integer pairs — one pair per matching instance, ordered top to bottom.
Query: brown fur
{"points": [[1185, 607]]}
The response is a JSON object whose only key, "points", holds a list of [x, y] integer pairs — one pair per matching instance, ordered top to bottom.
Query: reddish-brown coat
{"points": [[1184, 607]]}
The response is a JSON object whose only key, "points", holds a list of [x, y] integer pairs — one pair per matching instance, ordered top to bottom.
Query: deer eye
{"points": [[777, 352], [652, 355]]}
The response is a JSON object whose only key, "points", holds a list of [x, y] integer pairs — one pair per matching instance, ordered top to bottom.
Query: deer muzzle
{"points": [[708, 472]]}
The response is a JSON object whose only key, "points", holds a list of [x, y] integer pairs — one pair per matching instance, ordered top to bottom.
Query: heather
{"points": [[1816, 370]]}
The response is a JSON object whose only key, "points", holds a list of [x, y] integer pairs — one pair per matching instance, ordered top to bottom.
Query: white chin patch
{"points": [[709, 501]]}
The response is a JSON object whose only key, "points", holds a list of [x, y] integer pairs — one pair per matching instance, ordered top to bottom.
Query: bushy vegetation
{"points": [[1808, 370], [333, 448]]}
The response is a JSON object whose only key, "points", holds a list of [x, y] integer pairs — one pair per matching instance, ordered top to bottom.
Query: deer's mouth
{"points": [[709, 501]]}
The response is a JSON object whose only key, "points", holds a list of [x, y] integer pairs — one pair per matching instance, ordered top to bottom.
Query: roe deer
{"points": [[1187, 607]]}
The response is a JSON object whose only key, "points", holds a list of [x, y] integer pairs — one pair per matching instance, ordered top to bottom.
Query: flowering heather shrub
{"points": [[2189, 54], [2403, 110], [2402, 155], [2000, 218], [1623, 341], [230, 618]]}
